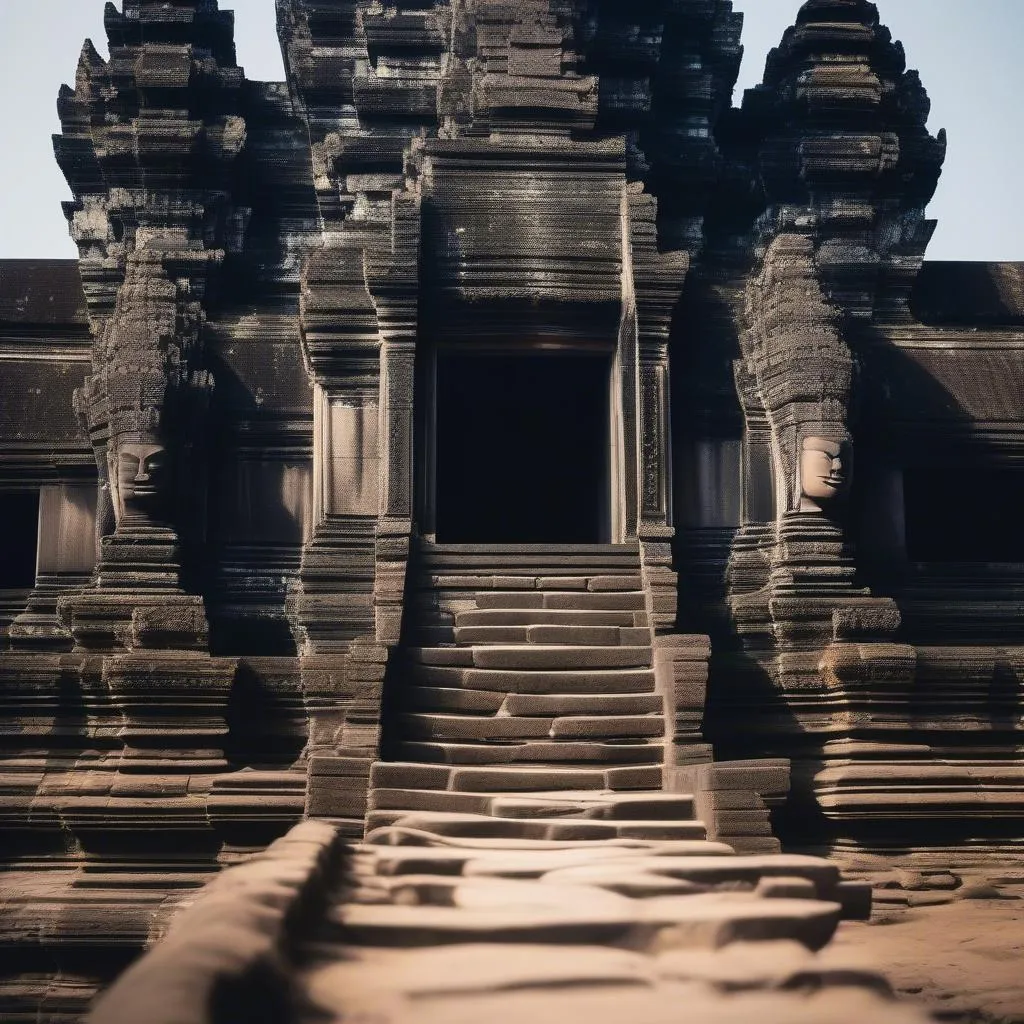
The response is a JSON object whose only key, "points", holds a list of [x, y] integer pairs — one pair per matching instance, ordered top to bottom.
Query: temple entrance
{"points": [[522, 449]]}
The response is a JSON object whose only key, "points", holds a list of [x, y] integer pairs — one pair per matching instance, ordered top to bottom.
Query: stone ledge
{"points": [[228, 948]]}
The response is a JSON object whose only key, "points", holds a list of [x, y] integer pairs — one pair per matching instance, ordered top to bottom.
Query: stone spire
{"points": [[149, 146], [843, 149], [845, 167]]}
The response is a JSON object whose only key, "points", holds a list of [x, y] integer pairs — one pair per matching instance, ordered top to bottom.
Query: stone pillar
{"points": [[393, 280], [653, 283], [359, 336], [395, 525], [750, 558]]}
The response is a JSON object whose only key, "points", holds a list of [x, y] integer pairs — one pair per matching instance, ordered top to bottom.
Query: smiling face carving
{"points": [[825, 468], [141, 474]]}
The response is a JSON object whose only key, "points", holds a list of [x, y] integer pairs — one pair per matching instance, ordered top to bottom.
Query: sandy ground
{"points": [[964, 961]]}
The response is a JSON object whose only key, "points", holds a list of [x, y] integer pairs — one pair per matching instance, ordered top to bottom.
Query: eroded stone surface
{"points": [[423, 933]]}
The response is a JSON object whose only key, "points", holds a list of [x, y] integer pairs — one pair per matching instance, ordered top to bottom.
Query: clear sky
{"points": [[968, 53]]}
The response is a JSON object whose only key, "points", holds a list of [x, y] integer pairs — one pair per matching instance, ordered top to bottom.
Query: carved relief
{"points": [[802, 371], [146, 384], [826, 470], [142, 476]]}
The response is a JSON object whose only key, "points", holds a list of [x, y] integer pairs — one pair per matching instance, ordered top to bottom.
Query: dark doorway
{"points": [[522, 449], [19, 534]]}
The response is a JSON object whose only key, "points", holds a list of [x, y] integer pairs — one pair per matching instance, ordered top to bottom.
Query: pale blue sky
{"points": [[966, 50]]}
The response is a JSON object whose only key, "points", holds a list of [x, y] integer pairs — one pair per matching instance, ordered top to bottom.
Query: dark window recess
{"points": [[522, 449], [708, 487], [963, 514], [19, 536]]}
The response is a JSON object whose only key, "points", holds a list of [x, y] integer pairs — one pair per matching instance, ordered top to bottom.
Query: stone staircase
{"points": [[527, 705], [521, 859]]}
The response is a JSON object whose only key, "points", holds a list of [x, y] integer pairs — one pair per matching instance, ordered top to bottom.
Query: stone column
{"points": [[393, 278], [654, 282], [395, 525], [347, 611]]}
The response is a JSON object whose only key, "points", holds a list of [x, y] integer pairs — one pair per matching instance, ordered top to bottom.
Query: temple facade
{"points": [[495, 407]]}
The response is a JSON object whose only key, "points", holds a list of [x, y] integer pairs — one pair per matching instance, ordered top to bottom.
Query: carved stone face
{"points": [[824, 472], [141, 475]]}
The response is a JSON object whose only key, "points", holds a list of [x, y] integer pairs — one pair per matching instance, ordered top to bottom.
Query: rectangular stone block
{"points": [[463, 582], [514, 582], [562, 583], [614, 583], [511, 599], [630, 601], [578, 635], [424, 698], [339, 767], [392, 775], [634, 777], [335, 797]]}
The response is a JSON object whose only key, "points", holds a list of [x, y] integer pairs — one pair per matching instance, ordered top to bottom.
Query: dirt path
{"points": [[964, 960]]}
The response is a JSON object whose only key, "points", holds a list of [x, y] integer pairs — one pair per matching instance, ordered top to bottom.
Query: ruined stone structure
{"points": [[490, 439]]}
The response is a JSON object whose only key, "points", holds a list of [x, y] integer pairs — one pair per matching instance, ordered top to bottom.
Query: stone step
{"points": [[432, 553], [502, 556], [593, 579], [568, 600], [549, 617], [570, 635], [448, 655], [560, 657], [567, 682], [438, 698], [574, 705], [419, 726], [606, 726], [473, 727], [533, 752], [513, 778], [550, 778], [526, 779], [429, 800], [515, 805], [551, 805], [602, 805], [605, 805], [647, 805], [465, 825], [481, 826], [513, 859], [738, 870], [704, 921], [404, 927]]}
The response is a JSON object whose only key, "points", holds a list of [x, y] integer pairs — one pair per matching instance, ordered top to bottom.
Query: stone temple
{"points": [[471, 506]]}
